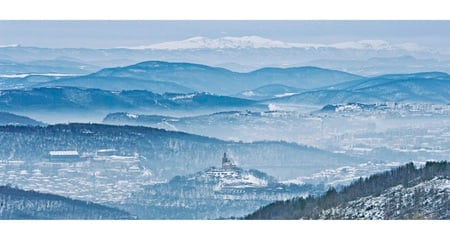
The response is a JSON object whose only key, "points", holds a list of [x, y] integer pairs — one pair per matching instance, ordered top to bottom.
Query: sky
{"points": [[109, 34]]}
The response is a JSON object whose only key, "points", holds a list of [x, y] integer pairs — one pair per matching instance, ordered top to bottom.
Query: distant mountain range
{"points": [[260, 42], [366, 57], [374, 66], [39, 67], [14, 75], [162, 77], [180, 77], [21, 81], [112, 83], [300, 85], [430, 87], [112, 88], [402, 193], [18, 204]]}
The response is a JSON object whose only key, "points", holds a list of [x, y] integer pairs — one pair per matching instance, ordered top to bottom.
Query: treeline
{"points": [[19, 204], [310, 207]]}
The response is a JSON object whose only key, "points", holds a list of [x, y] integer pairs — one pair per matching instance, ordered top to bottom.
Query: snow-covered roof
{"points": [[106, 150], [64, 153]]}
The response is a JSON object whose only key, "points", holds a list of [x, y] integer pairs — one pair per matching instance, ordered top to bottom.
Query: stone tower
{"points": [[226, 161]]}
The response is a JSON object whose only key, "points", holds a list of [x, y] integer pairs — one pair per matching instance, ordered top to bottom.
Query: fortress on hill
{"points": [[226, 162]]}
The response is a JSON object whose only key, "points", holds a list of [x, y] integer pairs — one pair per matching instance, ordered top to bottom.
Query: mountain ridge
{"points": [[260, 42], [242, 59], [203, 78], [430, 87], [74, 98], [7, 118], [168, 152], [20, 204]]}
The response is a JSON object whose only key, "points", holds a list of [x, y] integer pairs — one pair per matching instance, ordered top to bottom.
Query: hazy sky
{"points": [[107, 34]]}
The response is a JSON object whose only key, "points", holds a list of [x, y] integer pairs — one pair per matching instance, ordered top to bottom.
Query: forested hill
{"points": [[406, 192], [20, 204]]}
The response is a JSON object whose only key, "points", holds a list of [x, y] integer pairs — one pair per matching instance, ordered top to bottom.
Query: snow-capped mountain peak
{"points": [[260, 42], [218, 43], [364, 44], [377, 45]]}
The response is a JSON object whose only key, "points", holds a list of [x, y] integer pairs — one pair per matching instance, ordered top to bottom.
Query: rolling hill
{"points": [[181, 77], [432, 87], [72, 98], [13, 119], [165, 153], [216, 192], [18, 204]]}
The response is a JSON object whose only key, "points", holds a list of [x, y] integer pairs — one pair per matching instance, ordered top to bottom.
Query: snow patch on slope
{"points": [[260, 42], [24, 75], [184, 97], [433, 193]]}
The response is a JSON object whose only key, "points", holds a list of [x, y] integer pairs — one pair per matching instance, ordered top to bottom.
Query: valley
{"points": [[146, 137]]}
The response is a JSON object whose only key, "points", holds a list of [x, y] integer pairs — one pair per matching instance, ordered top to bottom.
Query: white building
{"points": [[106, 152], [64, 156]]}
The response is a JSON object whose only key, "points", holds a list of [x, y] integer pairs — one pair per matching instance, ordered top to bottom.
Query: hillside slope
{"points": [[429, 87], [13, 119], [216, 192], [402, 193], [426, 200], [20, 204]]}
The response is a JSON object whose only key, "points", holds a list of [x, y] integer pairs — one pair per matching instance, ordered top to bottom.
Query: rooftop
{"points": [[106, 150], [64, 153]]}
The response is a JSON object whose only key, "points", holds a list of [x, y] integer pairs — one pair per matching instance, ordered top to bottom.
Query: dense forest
{"points": [[166, 153], [405, 176], [19, 204]]}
